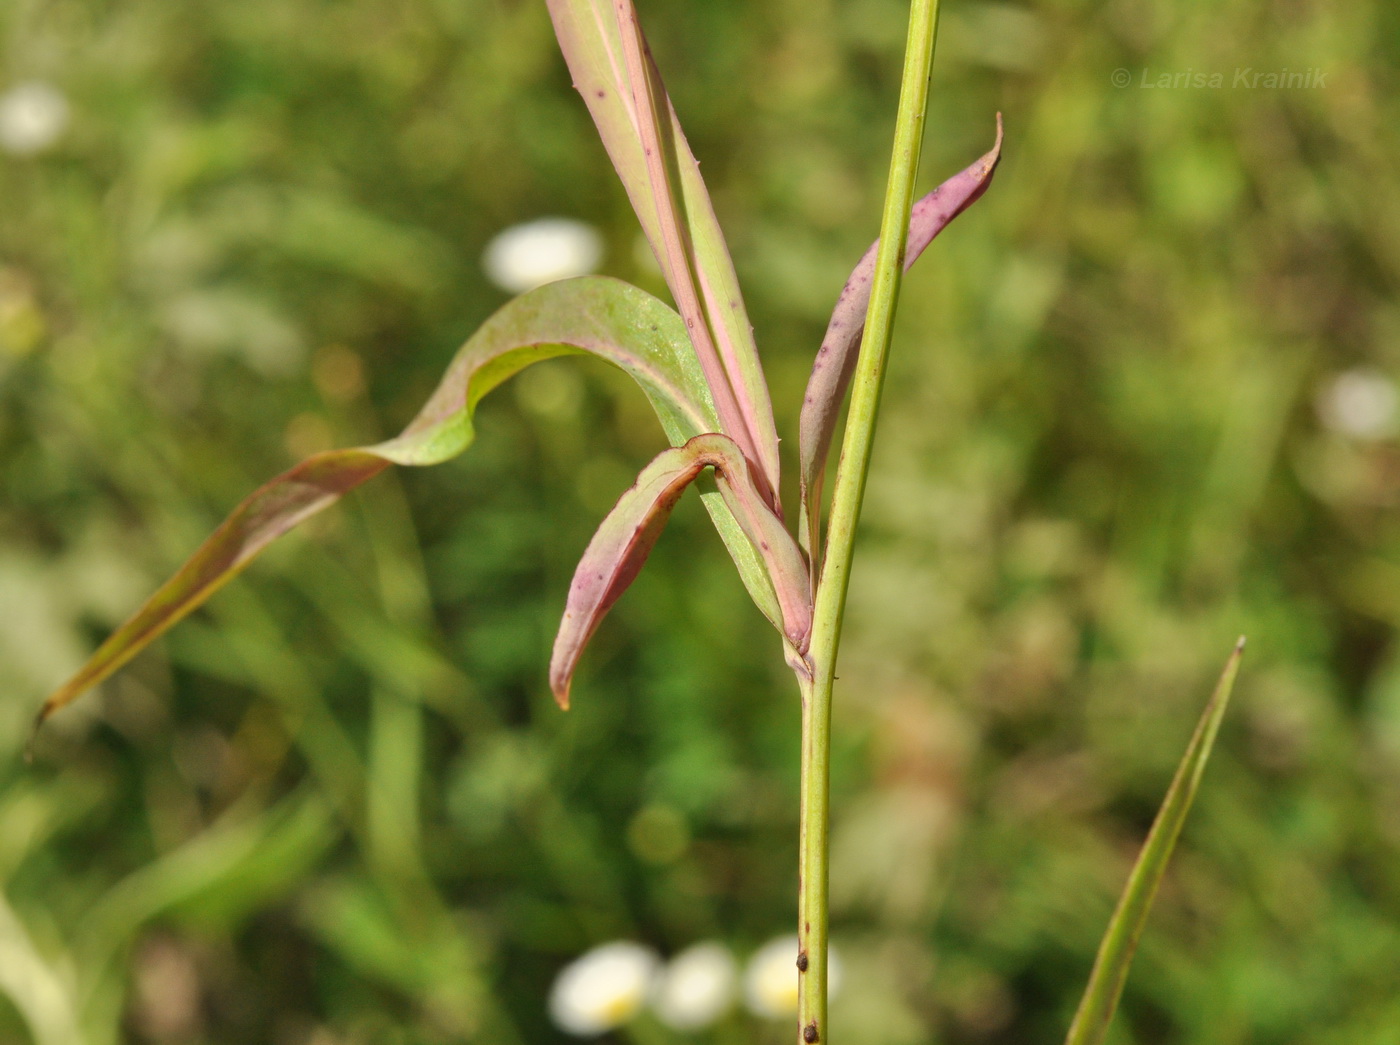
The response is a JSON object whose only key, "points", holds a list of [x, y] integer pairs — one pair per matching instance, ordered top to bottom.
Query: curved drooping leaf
{"points": [[612, 68], [596, 315], [836, 359], [629, 532], [1090, 1026]]}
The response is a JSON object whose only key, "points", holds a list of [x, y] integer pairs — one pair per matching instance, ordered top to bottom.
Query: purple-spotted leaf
{"points": [[612, 68], [595, 315], [836, 359], [625, 539]]}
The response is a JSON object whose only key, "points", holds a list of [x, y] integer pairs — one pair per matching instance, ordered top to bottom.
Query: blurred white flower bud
{"points": [[33, 116], [538, 252], [1360, 403], [770, 982], [696, 988], [603, 989]]}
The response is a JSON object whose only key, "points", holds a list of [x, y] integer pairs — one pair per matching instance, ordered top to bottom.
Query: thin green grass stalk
{"points": [[847, 493], [1120, 942]]}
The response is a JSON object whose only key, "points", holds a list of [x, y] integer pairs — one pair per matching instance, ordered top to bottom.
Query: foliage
{"points": [[1105, 461]]}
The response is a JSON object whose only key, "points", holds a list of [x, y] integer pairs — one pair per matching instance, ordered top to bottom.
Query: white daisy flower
{"points": [[33, 116], [538, 252], [1360, 403], [770, 982], [696, 988], [603, 989]]}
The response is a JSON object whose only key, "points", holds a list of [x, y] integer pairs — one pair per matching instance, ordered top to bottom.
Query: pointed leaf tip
{"points": [[627, 535], [1096, 1009]]}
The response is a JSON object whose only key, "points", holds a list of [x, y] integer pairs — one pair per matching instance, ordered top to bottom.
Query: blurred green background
{"points": [[1141, 401]]}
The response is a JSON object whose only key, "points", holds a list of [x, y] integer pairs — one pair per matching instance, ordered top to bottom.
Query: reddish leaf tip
{"points": [[561, 677]]}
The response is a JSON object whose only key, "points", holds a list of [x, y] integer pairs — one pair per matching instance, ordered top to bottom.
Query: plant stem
{"points": [[847, 494]]}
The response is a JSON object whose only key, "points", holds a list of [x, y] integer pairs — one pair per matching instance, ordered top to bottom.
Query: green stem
{"points": [[847, 493]]}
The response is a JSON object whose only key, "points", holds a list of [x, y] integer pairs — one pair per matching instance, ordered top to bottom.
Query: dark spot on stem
{"points": [[801, 961], [809, 1033]]}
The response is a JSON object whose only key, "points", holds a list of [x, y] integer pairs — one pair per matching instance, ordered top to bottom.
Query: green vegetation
{"points": [[338, 804]]}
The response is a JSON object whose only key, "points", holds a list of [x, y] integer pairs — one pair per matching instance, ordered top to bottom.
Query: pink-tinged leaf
{"points": [[613, 70], [595, 315], [836, 359], [628, 534]]}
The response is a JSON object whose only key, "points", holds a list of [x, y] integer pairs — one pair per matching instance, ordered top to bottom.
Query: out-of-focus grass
{"points": [[338, 805]]}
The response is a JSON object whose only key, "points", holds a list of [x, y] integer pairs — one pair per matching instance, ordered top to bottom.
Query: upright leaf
{"points": [[612, 68], [595, 315], [836, 359], [625, 539], [1096, 1010]]}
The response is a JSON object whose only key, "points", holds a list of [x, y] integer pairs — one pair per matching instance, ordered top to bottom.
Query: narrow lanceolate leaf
{"points": [[612, 68], [596, 315], [836, 359], [626, 537], [1091, 1022]]}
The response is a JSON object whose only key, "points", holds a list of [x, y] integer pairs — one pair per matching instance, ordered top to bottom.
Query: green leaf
{"points": [[613, 70], [603, 317], [1100, 999]]}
